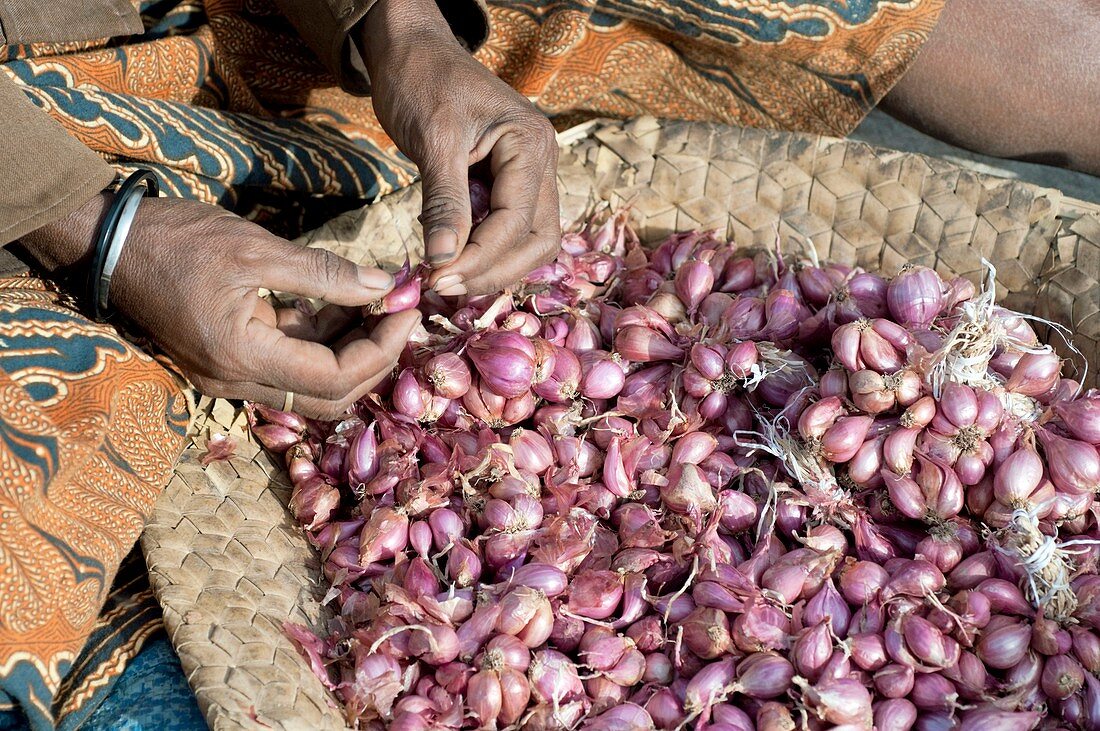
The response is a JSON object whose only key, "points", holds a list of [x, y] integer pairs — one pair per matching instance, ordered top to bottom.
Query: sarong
{"points": [[229, 106], [90, 427]]}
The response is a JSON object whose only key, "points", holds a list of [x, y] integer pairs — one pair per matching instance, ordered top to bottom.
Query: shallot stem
{"points": [[885, 487], [679, 592]]}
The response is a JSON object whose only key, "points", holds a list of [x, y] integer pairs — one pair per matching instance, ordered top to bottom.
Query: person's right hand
{"points": [[446, 112], [188, 277]]}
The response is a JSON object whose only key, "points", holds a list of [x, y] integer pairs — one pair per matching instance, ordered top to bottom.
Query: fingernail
{"points": [[442, 243], [375, 278], [447, 280], [450, 286], [455, 290]]}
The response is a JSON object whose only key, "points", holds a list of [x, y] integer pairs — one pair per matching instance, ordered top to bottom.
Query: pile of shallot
{"points": [[683, 487]]}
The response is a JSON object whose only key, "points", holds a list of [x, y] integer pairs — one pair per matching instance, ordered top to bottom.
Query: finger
{"points": [[519, 164], [446, 215], [532, 253], [285, 267], [499, 269], [329, 323], [316, 370], [314, 408]]}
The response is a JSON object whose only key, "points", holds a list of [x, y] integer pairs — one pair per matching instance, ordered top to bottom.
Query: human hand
{"points": [[446, 112], [188, 277]]}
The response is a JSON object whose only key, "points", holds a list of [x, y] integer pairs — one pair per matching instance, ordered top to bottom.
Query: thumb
{"points": [[446, 216], [319, 274]]}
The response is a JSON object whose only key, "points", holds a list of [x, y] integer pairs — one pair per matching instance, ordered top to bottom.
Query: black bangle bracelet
{"points": [[140, 183]]}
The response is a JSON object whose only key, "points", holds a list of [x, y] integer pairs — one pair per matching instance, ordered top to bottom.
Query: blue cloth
{"points": [[152, 695], [13, 721]]}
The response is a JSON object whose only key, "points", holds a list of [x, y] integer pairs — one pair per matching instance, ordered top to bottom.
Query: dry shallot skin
{"points": [[405, 294], [1081, 418], [657, 485]]}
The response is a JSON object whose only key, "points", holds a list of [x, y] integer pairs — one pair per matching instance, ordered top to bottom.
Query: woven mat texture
{"points": [[226, 560]]}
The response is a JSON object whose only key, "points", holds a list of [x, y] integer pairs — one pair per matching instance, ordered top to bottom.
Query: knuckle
{"points": [[543, 135], [444, 205], [250, 255], [324, 266], [329, 411]]}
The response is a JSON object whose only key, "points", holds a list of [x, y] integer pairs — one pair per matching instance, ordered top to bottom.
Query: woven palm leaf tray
{"points": [[228, 563]]}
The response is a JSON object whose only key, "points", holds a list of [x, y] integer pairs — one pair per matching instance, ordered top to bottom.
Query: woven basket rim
{"points": [[228, 564]]}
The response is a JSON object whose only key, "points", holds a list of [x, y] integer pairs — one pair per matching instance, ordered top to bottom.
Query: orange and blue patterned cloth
{"points": [[225, 102], [90, 427]]}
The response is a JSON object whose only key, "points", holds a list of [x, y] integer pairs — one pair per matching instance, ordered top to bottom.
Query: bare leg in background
{"points": [[1010, 78]]}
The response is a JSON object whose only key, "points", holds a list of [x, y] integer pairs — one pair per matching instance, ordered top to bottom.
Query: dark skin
{"points": [[1010, 79], [993, 81], [500, 129], [189, 274]]}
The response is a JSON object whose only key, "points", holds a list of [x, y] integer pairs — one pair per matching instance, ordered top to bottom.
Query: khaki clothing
{"points": [[49, 174]]}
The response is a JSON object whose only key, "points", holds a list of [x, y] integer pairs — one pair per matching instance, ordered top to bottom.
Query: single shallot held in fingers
{"points": [[405, 294]]}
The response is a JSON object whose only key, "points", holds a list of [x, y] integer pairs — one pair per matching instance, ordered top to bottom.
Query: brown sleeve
{"points": [[33, 21], [326, 24], [46, 173]]}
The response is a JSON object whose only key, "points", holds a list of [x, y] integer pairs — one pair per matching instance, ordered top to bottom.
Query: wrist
{"points": [[394, 28], [65, 246]]}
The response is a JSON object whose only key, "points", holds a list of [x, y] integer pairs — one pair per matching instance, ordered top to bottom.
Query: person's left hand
{"points": [[446, 112]]}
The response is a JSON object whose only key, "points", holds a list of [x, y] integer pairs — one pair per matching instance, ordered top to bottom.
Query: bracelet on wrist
{"points": [[112, 237]]}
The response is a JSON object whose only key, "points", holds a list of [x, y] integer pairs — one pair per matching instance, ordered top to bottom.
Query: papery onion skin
{"points": [[405, 294], [915, 297], [504, 363], [1034, 374], [449, 375], [1081, 417], [276, 437], [1074, 466], [623, 494], [706, 633], [1004, 646], [1086, 648], [811, 650], [764, 675], [553, 677], [1062, 677], [708, 687], [485, 697], [839, 701], [665, 709], [897, 714]]}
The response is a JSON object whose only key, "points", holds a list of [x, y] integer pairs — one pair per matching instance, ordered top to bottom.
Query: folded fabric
{"points": [[230, 107], [90, 427], [152, 695]]}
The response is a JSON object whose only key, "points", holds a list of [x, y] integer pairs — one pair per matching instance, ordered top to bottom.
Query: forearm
{"points": [[395, 28], [336, 29], [64, 246]]}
